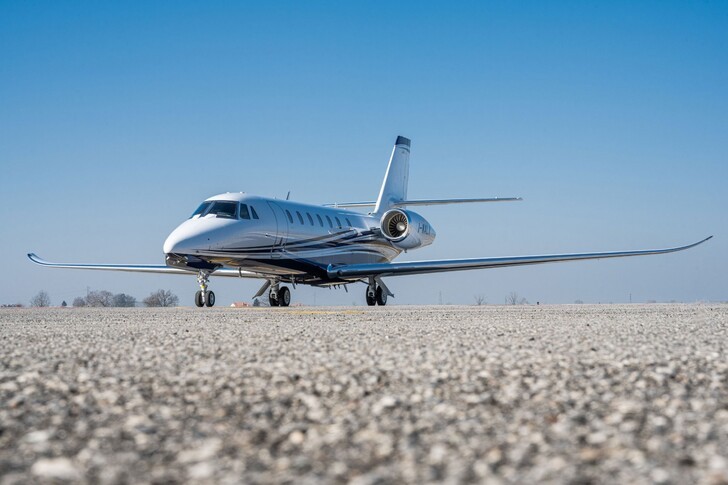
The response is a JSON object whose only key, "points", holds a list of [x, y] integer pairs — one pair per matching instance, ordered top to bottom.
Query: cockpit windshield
{"points": [[219, 208], [224, 208], [201, 210]]}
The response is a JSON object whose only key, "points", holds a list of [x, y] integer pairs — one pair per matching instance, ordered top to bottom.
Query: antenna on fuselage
{"points": [[288, 195]]}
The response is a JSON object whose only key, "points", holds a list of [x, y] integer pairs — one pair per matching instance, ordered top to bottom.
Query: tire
{"points": [[284, 296], [381, 296], [198, 299], [210, 299], [371, 300], [272, 301]]}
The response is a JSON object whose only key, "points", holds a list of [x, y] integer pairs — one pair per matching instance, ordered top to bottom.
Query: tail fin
{"points": [[394, 186]]}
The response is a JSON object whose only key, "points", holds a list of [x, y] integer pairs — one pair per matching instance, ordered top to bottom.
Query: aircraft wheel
{"points": [[284, 296], [381, 296], [198, 299], [210, 299], [271, 300], [371, 301]]}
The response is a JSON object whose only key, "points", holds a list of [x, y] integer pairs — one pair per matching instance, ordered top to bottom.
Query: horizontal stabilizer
{"points": [[454, 201], [404, 203], [348, 205], [443, 265]]}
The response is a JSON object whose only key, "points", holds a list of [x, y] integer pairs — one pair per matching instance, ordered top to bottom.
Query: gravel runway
{"points": [[494, 394]]}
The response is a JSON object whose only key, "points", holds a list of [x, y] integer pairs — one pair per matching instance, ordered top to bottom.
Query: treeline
{"points": [[103, 298]]}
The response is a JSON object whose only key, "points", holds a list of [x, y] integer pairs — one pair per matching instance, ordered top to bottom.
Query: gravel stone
{"points": [[488, 394]]}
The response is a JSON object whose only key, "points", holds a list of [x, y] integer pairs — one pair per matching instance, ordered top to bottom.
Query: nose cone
{"points": [[186, 239], [172, 243]]}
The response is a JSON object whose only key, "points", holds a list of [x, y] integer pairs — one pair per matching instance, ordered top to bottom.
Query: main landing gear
{"points": [[376, 293], [279, 295], [204, 297]]}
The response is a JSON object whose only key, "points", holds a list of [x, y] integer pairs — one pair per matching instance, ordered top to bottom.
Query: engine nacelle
{"points": [[406, 229]]}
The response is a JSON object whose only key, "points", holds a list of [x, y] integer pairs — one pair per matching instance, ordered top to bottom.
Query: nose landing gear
{"points": [[204, 297]]}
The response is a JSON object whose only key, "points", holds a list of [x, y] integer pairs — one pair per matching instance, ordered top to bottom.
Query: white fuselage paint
{"points": [[288, 238]]}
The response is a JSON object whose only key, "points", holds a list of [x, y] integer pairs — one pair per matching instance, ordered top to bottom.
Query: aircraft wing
{"points": [[442, 265], [143, 268]]}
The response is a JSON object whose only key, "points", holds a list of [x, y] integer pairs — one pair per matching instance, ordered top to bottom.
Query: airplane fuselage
{"points": [[290, 239]]}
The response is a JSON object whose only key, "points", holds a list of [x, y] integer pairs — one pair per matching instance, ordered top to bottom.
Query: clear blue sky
{"points": [[610, 119]]}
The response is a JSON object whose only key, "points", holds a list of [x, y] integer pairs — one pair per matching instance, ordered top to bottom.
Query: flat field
{"points": [[524, 394]]}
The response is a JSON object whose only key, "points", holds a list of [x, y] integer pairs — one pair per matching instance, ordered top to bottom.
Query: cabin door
{"points": [[281, 234]]}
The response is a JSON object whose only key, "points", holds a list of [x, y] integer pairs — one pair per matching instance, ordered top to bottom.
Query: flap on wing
{"points": [[443, 265]]}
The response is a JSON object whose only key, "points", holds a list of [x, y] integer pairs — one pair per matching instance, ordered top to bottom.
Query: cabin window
{"points": [[201, 210], [244, 214], [255, 214], [290, 217], [300, 217], [310, 219], [319, 219], [328, 219], [338, 222], [348, 222]]}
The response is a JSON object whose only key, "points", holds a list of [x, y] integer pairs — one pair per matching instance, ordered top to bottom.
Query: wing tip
{"points": [[698, 243]]}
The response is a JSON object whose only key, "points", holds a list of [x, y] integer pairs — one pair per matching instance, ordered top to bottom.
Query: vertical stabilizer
{"points": [[394, 186]]}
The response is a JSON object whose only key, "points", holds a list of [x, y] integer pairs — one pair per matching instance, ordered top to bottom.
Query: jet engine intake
{"points": [[406, 229]]}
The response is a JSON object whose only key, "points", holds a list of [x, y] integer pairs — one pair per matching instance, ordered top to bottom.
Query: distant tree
{"points": [[101, 298], [163, 298], [514, 299], [41, 300], [123, 300], [480, 300], [79, 301], [261, 302], [579, 302], [64, 304]]}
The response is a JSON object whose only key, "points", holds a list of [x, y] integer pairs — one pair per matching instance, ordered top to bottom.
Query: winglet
{"points": [[701, 242], [34, 258]]}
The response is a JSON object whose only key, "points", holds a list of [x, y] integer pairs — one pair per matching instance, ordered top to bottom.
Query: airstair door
{"points": [[281, 234]]}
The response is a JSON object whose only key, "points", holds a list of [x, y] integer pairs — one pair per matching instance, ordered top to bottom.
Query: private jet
{"points": [[280, 241]]}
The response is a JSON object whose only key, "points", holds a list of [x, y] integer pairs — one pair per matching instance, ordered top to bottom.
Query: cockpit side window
{"points": [[224, 208], [201, 210], [244, 214], [255, 214]]}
